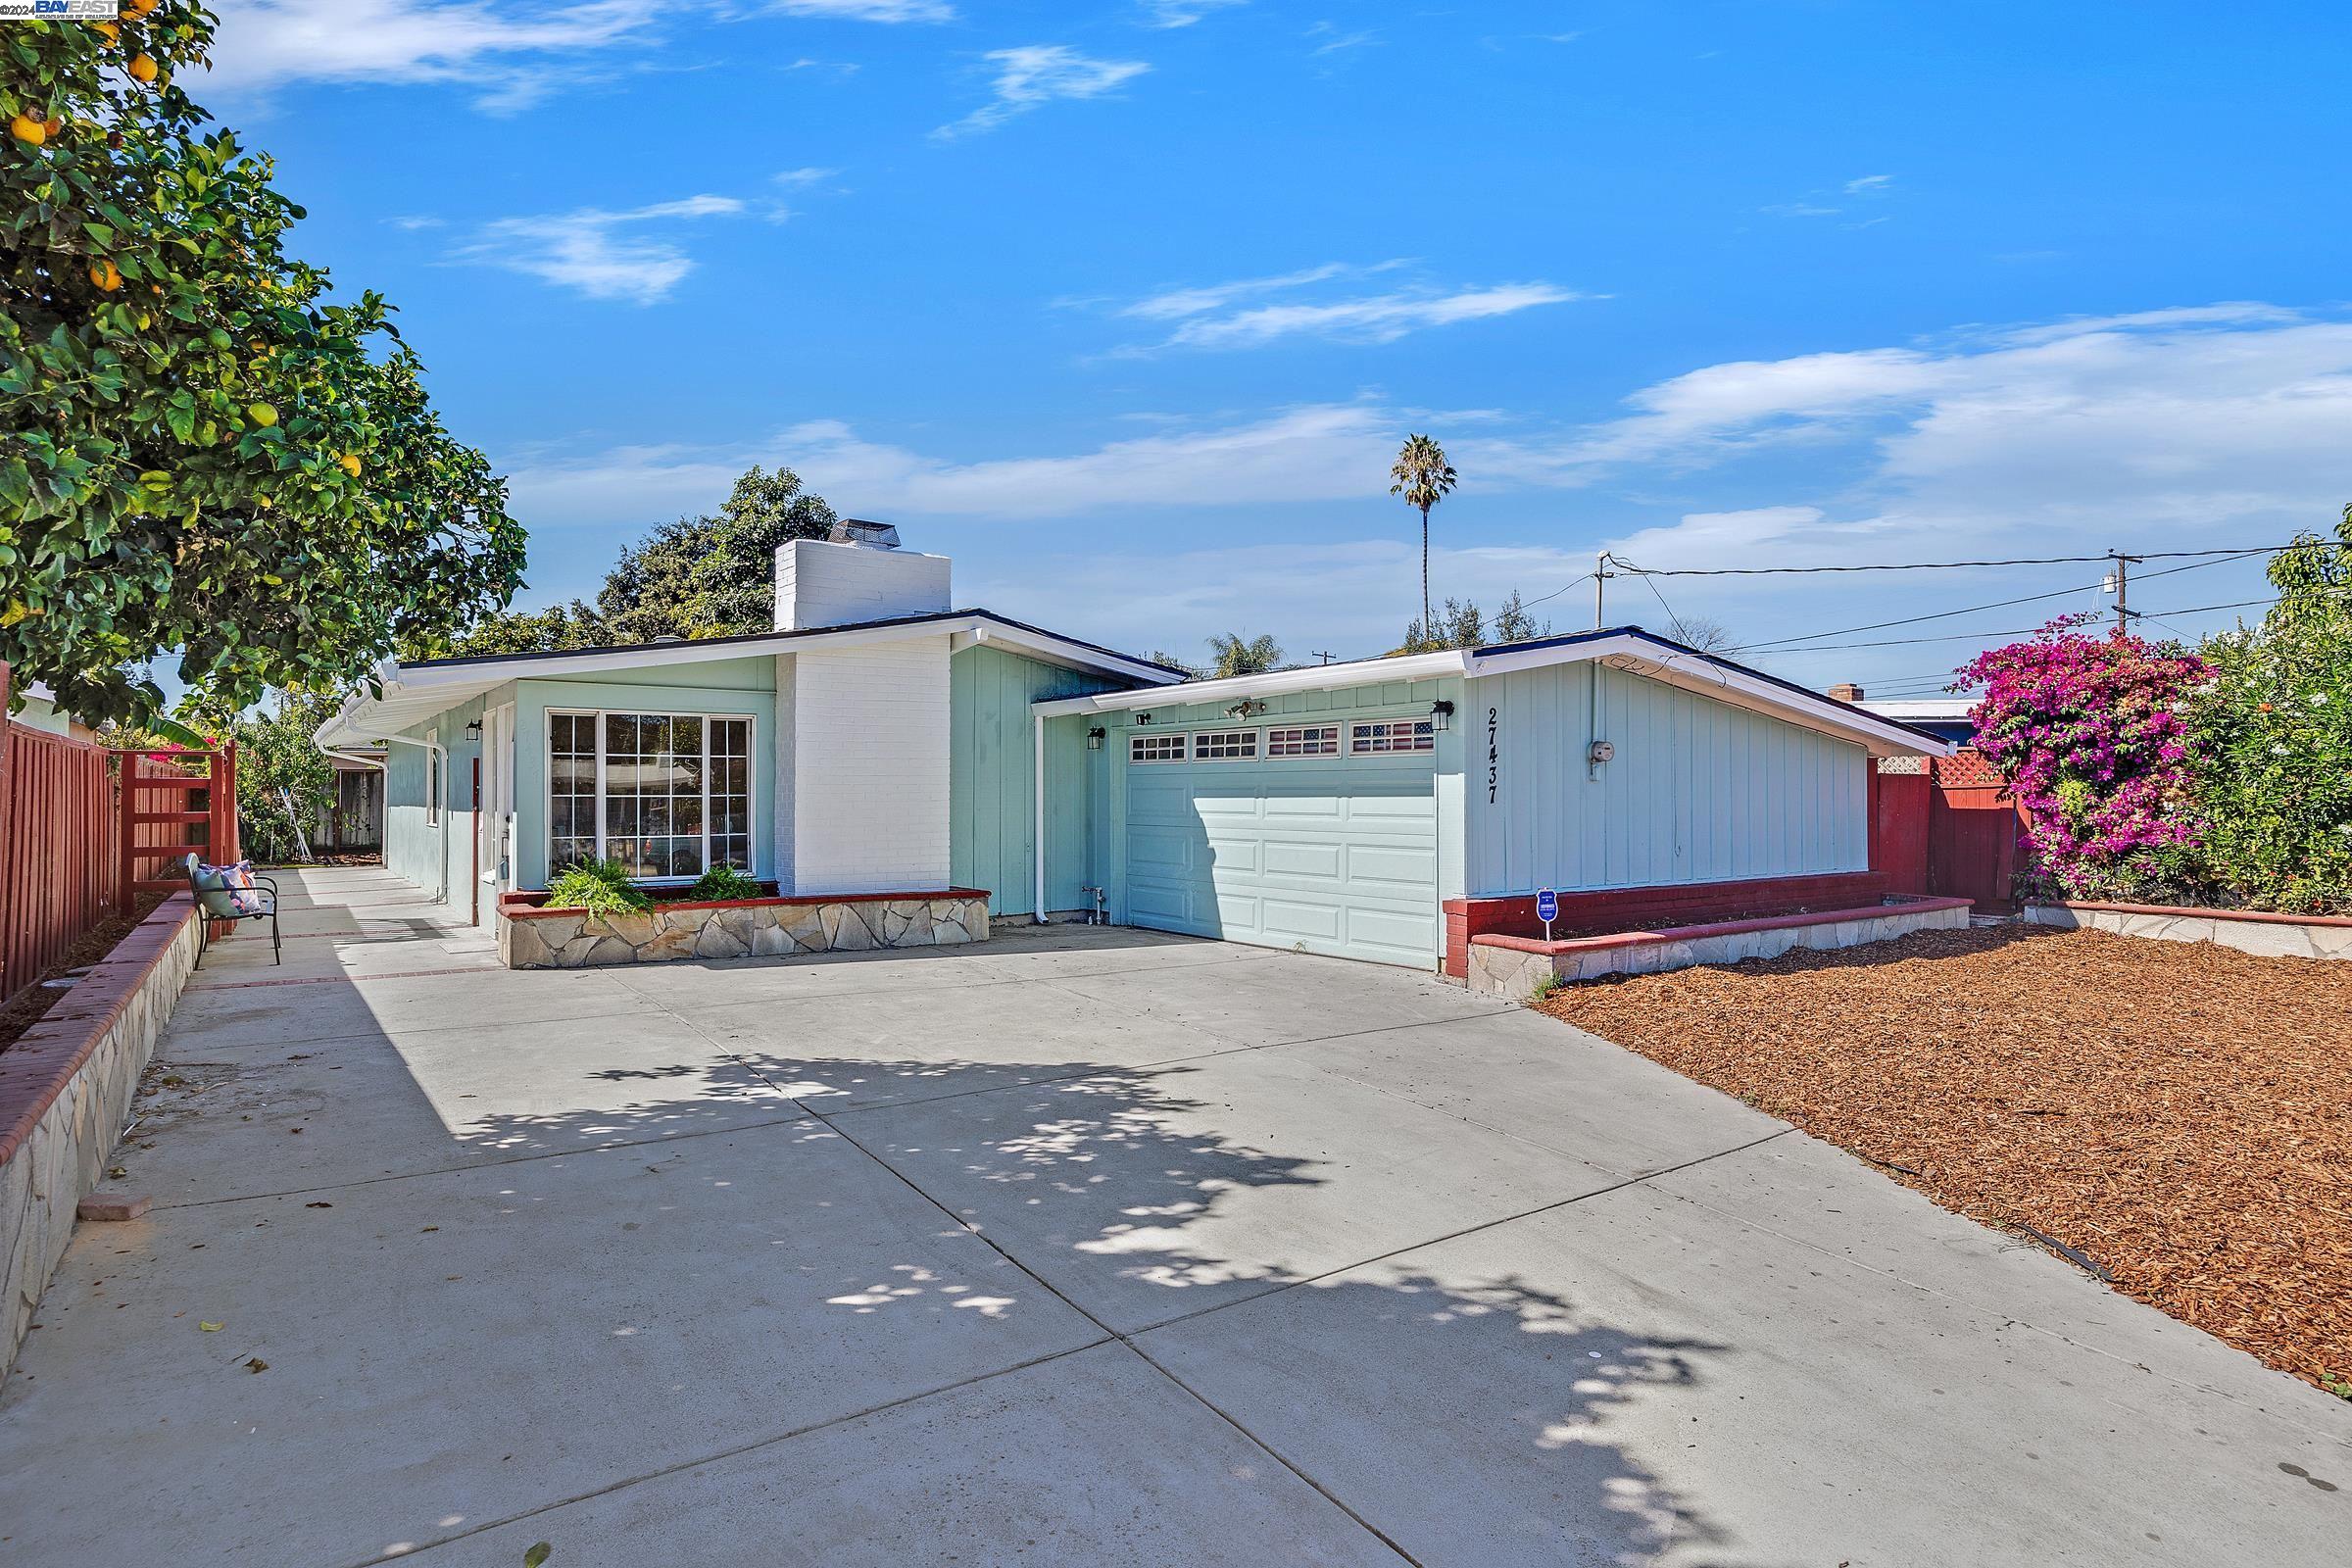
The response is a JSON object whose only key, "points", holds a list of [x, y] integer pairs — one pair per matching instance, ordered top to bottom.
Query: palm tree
{"points": [[1423, 478], [1239, 657]]}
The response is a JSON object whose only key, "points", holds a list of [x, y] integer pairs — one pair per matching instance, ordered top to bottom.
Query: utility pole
{"points": [[1600, 576], [2119, 583], [1326, 657]]}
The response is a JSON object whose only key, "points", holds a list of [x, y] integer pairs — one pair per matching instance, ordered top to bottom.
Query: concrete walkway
{"points": [[1073, 1248]]}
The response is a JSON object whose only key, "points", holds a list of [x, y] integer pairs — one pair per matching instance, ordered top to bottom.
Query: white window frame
{"points": [[1420, 732], [1299, 734], [1203, 739], [1138, 741], [547, 783]]}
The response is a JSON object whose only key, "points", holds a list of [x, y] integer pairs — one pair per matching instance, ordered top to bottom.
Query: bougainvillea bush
{"points": [[2092, 734], [2270, 737]]}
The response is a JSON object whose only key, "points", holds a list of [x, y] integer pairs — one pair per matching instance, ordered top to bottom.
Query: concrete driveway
{"points": [[1077, 1246]]}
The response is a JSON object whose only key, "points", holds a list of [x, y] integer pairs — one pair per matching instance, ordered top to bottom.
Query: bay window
{"points": [[667, 795]]}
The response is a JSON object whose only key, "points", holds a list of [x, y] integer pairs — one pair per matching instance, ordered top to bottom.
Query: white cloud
{"points": [[886, 11], [1182, 12], [265, 44], [1035, 74], [792, 177], [1869, 184], [1800, 210], [415, 220], [604, 255], [1179, 301], [1213, 316], [1381, 319], [2205, 423], [1315, 452]]}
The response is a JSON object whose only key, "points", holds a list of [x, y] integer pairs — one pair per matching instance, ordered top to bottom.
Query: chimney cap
{"points": [[862, 531]]}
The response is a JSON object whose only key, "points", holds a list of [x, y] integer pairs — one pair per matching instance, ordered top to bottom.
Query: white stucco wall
{"points": [[871, 767]]}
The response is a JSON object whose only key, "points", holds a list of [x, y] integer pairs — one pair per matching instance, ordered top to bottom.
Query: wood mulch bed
{"points": [[31, 1005], [2179, 1114]]}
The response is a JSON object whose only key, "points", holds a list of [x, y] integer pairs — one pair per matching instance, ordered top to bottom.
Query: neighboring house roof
{"points": [[1627, 648], [410, 694], [1955, 719]]}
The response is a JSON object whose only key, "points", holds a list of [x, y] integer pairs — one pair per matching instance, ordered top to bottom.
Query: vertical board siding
{"points": [[990, 780], [1699, 791], [59, 846]]}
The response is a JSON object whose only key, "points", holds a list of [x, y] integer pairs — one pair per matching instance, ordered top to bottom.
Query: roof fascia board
{"points": [[1274, 683]]}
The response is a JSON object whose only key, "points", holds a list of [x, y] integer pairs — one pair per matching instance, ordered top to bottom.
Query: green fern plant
{"points": [[724, 882], [600, 887]]}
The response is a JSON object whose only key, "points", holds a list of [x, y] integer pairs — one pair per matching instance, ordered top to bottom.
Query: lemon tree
{"points": [[199, 449]]}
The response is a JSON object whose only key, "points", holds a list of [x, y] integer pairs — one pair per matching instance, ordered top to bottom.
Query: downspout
{"points": [[436, 756], [1037, 793]]}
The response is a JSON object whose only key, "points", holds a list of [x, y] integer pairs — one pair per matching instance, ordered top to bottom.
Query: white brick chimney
{"points": [[824, 582], [862, 783]]}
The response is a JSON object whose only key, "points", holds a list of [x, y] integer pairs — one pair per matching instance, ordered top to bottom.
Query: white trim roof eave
{"points": [[1630, 649], [415, 692]]}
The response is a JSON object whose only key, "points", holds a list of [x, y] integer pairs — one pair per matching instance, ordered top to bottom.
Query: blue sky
{"points": [[1127, 305]]}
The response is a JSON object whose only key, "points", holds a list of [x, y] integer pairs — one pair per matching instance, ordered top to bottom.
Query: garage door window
{"points": [[1392, 735], [1312, 740], [1224, 744], [1155, 748]]}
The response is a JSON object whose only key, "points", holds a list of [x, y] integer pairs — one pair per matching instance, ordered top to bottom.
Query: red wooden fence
{"points": [[171, 802], [59, 830], [84, 830], [1950, 830]]}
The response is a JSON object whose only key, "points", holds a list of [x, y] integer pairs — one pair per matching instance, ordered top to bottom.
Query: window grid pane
{"points": [[1393, 735], [1314, 740], [1224, 744], [1155, 748], [667, 777], [571, 790]]}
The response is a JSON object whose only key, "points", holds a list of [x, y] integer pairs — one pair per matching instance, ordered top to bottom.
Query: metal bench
{"points": [[218, 900]]}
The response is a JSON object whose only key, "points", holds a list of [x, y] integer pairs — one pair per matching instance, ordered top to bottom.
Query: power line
{"points": [[1957, 565], [2028, 631]]}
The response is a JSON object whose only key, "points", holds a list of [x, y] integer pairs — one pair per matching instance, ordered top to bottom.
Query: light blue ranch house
{"points": [[880, 747]]}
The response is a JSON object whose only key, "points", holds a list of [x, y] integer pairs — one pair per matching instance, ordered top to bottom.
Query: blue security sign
{"points": [[1548, 905]]}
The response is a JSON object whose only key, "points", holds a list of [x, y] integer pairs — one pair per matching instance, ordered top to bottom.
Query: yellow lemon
{"points": [[142, 68], [28, 131], [104, 277], [261, 413], [351, 463]]}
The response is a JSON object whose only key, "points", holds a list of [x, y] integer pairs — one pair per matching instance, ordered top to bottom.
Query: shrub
{"points": [[2090, 733], [2270, 739], [724, 882], [600, 887]]}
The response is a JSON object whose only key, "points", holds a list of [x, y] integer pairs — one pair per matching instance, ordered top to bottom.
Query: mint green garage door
{"points": [[1332, 853]]}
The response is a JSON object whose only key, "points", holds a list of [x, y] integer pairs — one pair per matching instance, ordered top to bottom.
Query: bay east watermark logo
{"points": [[60, 10]]}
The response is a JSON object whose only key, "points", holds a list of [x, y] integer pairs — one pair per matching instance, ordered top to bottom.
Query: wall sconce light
{"points": [[1246, 708], [1440, 716], [474, 729], [1094, 739]]}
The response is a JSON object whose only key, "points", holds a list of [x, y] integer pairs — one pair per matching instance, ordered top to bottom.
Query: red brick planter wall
{"points": [[1633, 908], [65, 1088]]}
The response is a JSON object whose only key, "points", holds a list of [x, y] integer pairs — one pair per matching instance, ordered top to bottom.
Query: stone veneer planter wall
{"points": [[2256, 931], [532, 935], [1515, 966], [64, 1087]]}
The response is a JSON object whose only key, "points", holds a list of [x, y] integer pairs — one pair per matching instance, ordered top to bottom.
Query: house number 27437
{"points": [[1493, 757]]}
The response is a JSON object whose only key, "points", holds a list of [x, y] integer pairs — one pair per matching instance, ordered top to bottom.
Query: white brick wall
{"points": [[820, 583], [869, 768]]}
